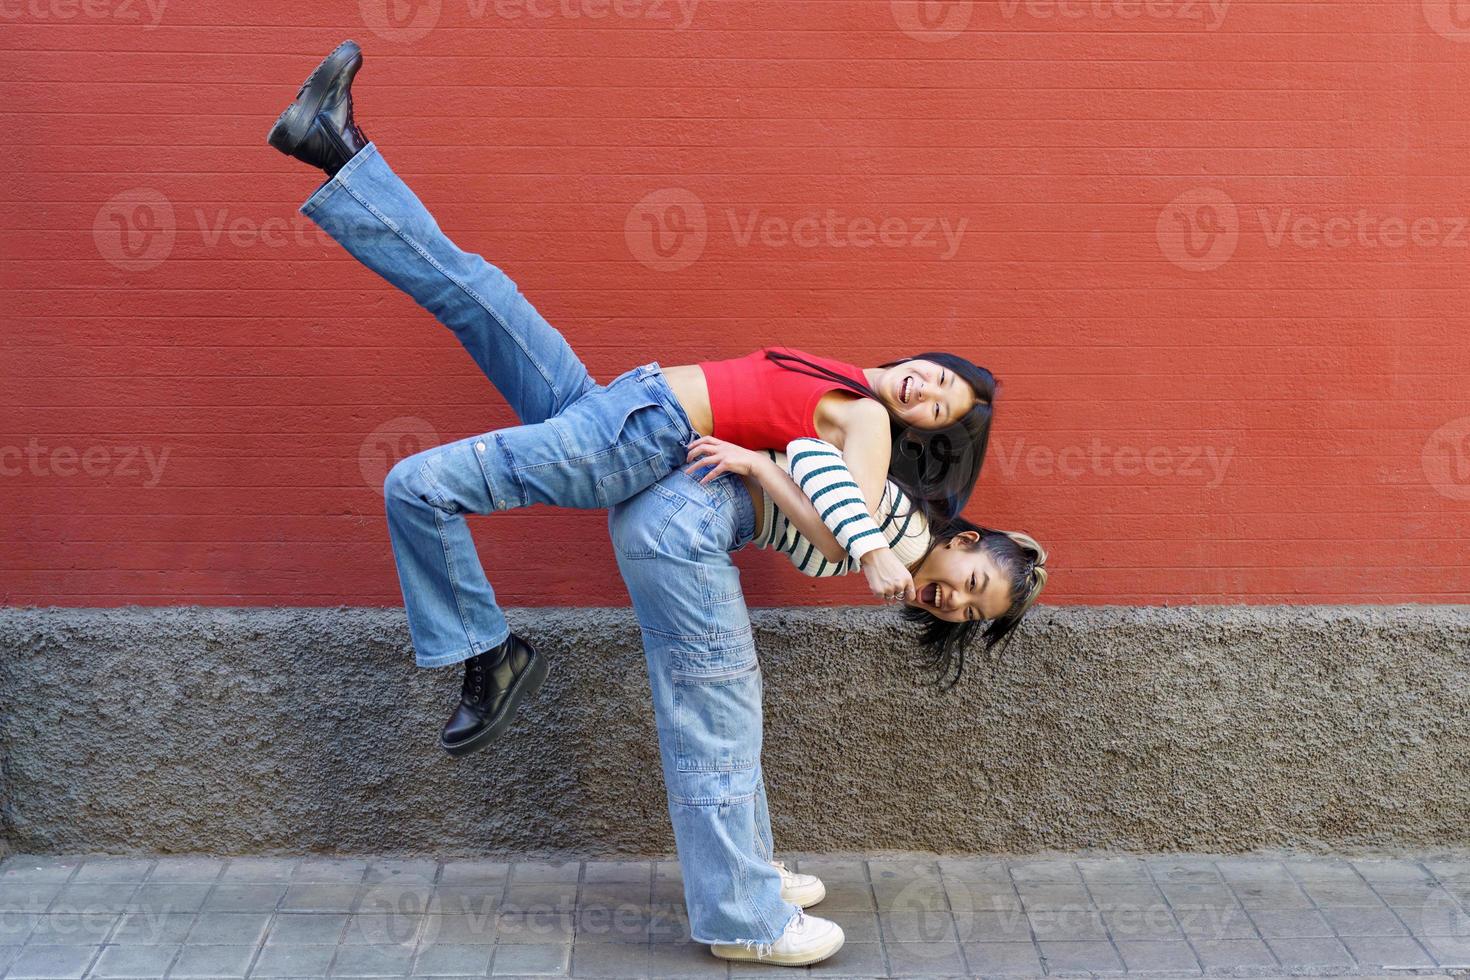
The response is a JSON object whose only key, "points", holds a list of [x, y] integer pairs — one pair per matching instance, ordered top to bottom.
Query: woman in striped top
{"points": [[967, 578]]}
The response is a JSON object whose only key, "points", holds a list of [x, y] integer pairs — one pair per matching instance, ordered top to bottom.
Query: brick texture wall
{"points": [[1216, 253]]}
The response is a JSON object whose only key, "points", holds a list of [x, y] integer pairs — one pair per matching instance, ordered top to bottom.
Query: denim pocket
{"points": [[640, 523], [717, 718]]}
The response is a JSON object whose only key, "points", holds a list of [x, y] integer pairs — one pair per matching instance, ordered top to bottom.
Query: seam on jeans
{"points": [[320, 196], [464, 287], [510, 467], [448, 560], [743, 632], [459, 656], [707, 801]]}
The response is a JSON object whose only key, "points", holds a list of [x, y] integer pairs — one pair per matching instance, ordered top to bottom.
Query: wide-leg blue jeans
{"points": [[582, 444]]}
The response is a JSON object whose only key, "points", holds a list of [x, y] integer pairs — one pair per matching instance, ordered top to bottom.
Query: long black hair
{"points": [[937, 468], [1020, 558]]}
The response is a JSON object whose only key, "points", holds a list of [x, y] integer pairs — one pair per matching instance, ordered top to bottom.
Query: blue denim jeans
{"points": [[582, 444], [673, 543]]}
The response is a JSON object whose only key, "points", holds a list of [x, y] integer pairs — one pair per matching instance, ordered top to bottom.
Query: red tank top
{"points": [[759, 404]]}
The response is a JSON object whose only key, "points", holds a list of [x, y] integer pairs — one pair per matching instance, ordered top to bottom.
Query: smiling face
{"points": [[923, 394], [959, 585]]}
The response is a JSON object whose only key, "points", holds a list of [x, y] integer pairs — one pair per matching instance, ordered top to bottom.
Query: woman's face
{"points": [[924, 394], [959, 585]]}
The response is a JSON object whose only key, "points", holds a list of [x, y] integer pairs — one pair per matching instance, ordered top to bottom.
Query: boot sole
{"points": [[292, 125], [525, 686], [786, 959]]}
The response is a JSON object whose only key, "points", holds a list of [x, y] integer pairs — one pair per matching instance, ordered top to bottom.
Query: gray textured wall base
{"points": [[289, 730]]}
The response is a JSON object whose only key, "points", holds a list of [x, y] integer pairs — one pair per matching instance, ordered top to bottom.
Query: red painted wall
{"points": [[1216, 252]]}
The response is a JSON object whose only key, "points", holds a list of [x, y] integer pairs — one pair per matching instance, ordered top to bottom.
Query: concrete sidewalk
{"points": [[905, 915]]}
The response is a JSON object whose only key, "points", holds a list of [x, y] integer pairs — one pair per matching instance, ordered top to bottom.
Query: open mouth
{"points": [[906, 389], [929, 595]]}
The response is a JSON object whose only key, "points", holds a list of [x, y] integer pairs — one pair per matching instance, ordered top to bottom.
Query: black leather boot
{"points": [[318, 126], [495, 684]]}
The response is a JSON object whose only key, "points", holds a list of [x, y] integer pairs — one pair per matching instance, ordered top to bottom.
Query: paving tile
{"points": [[900, 868], [37, 869], [100, 869], [257, 869], [833, 869], [1321, 869], [1444, 869], [168, 870], [1060, 870], [1120, 870], [1182, 870], [1238, 870], [349, 871], [421, 871], [546, 871], [668, 871], [1378, 871], [474, 872], [625, 872], [615, 894], [909, 894], [1342, 894], [1411, 894], [1054, 895], [1127, 895], [1192, 895], [1271, 895], [28, 896], [532, 896], [849, 896], [980, 896], [94, 897], [162, 897], [251, 897], [321, 897], [1378, 921], [1154, 922], [670, 923], [1290, 923], [621, 924], [1075, 924], [1216, 924], [16, 926], [535, 927], [857, 927], [918, 927], [73, 928], [137, 928], [229, 928], [306, 928], [384, 928], [459, 930], [1388, 952], [1315, 953], [1231, 954], [7, 956], [1080, 956], [1151, 956], [1004, 958], [450, 959], [542, 959], [603, 959], [926, 959], [294, 960], [684, 960], [134, 961], [212, 961], [372, 961], [53, 962]]}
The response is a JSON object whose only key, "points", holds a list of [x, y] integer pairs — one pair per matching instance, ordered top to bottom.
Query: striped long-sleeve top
{"points": [[818, 469]]}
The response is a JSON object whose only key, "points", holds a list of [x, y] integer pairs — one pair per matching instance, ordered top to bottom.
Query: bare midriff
{"points": [[687, 383]]}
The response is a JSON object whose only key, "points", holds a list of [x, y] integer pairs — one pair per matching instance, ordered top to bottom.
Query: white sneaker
{"points": [[800, 889], [807, 939]]}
